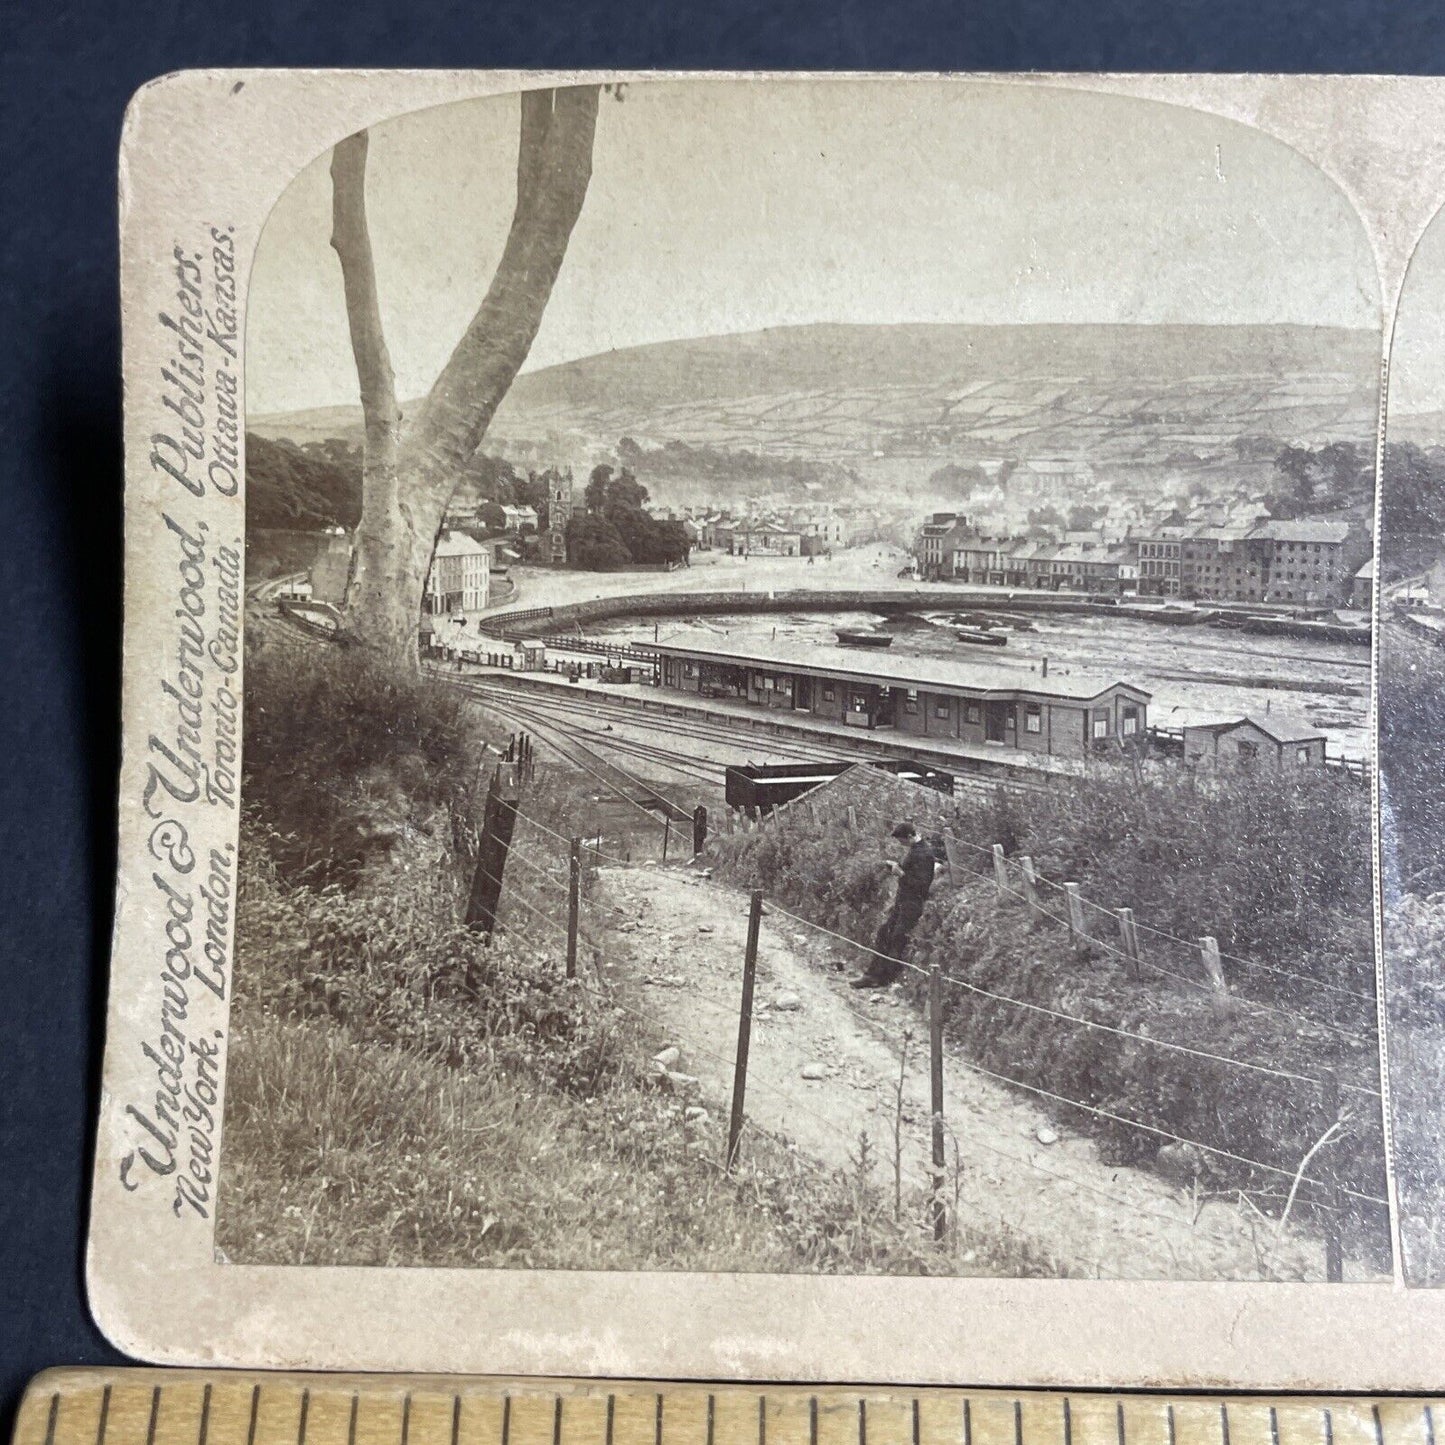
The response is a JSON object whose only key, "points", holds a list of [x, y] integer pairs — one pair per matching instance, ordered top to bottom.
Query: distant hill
{"points": [[897, 402], [1424, 428]]}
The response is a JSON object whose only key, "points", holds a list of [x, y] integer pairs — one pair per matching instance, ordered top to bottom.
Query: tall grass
{"points": [[400, 1091]]}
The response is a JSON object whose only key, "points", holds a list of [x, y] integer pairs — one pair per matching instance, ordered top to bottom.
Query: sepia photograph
{"points": [[808, 699], [1412, 819]]}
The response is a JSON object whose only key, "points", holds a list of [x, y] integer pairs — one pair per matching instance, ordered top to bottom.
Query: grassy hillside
{"points": [[892, 393]]}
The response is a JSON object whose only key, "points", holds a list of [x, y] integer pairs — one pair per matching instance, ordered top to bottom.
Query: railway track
{"points": [[577, 719], [573, 744]]}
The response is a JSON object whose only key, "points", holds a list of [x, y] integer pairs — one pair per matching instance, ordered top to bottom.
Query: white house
{"points": [[520, 519], [460, 575]]}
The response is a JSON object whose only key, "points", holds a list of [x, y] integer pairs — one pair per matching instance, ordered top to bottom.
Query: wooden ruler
{"points": [[196, 1407]]}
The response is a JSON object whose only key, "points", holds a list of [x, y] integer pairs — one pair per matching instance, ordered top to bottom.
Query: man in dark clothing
{"points": [[914, 871]]}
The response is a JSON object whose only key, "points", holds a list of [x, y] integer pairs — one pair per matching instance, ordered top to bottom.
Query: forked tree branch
{"points": [[554, 166], [351, 240]]}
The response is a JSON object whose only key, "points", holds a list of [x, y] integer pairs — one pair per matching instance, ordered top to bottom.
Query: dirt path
{"points": [[825, 1065]]}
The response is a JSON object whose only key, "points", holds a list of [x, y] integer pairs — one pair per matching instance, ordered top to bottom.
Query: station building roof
{"points": [[925, 674]]}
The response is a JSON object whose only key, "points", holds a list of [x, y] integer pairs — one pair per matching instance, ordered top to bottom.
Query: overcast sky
{"points": [[722, 206], [1417, 355]]}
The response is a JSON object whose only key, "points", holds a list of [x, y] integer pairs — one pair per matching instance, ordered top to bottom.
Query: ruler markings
{"points": [[146, 1413]]}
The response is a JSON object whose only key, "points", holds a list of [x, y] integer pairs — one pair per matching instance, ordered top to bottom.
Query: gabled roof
{"points": [[1282, 730]]}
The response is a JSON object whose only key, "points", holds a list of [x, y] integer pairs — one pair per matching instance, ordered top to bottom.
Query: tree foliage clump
{"points": [[1311, 480], [615, 529]]}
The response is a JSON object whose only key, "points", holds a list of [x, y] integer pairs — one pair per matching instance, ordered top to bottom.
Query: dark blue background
{"points": [[66, 72]]}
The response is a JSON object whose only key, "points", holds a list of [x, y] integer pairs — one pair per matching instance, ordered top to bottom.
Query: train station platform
{"points": [[976, 760]]}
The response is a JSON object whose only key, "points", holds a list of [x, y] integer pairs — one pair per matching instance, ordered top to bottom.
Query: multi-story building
{"points": [[928, 546], [977, 558], [1160, 558], [1307, 560], [1216, 561], [459, 577]]}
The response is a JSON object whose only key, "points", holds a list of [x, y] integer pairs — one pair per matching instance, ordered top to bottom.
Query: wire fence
{"points": [[540, 886]]}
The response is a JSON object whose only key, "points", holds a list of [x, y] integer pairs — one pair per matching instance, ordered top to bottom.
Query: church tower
{"points": [[559, 513]]}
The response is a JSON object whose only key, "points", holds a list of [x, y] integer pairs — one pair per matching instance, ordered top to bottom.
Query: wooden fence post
{"points": [[852, 818], [498, 821], [699, 829], [666, 834], [1000, 872], [1031, 885], [574, 900], [1076, 915], [1129, 937], [1214, 971], [745, 1026], [935, 1089], [1334, 1252]]}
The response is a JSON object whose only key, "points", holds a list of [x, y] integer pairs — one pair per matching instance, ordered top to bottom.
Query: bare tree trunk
{"points": [[407, 481]]}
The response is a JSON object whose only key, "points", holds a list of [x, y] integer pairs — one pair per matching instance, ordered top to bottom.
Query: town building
{"points": [[520, 518], [771, 539], [928, 546], [1160, 559], [1310, 560], [1216, 561], [459, 577], [1362, 587], [1061, 714], [1250, 740]]}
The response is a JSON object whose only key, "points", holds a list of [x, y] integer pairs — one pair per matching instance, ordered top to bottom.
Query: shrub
{"points": [[344, 756]]}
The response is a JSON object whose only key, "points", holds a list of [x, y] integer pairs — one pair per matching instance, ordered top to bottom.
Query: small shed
{"points": [[1249, 740]]}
